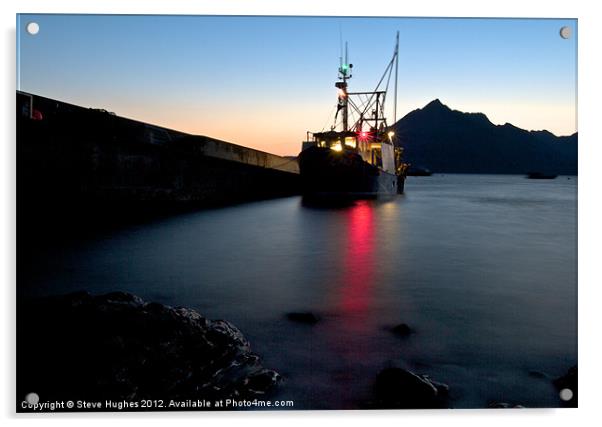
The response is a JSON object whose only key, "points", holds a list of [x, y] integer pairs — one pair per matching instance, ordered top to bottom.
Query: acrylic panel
{"points": [[282, 213]]}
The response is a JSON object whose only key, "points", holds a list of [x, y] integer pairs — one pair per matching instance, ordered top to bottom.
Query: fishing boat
{"points": [[357, 156]]}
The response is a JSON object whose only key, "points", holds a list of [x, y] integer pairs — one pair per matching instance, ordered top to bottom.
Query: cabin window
{"points": [[350, 141], [336, 146], [377, 159]]}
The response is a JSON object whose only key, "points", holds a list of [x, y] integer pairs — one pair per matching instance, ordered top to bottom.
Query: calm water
{"points": [[484, 268]]}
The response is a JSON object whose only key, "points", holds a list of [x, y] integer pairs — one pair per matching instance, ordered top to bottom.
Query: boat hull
{"points": [[326, 172]]}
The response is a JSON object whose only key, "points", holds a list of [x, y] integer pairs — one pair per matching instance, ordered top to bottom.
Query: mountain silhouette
{"points": [[438, 138]]}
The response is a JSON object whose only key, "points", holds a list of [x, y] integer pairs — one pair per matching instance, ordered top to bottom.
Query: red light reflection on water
{"points": [[358, 263]]}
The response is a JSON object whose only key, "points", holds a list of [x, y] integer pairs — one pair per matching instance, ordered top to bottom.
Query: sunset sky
{"points": [[264, 81]]}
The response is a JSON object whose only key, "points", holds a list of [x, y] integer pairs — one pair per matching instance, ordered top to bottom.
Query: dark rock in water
{"points": [[541, 175], [303, 317], [403, 330], [118, 347], [537, 374], [569, 381], [400, 388], [504, 405]]}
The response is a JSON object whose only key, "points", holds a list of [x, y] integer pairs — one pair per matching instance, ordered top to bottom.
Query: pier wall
{"points": [[73, 160]]}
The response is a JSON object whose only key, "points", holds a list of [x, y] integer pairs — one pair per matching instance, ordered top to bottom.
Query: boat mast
{"points": [[396, 68], [344, 74]]}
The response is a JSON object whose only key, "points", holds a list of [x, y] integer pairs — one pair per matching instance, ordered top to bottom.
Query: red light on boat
{"points": [[363, 135]]}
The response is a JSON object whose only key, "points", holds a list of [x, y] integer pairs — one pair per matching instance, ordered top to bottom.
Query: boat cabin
{"points": [[375, 148]]}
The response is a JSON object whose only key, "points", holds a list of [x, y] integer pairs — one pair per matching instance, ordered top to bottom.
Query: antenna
{"points": [[340, 47], [346, 55]]}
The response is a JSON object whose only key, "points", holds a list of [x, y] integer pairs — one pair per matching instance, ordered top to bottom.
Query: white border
{"points": [[590, 156]]}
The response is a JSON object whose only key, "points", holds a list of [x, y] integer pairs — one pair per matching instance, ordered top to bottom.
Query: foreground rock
{"points": [[303, 317], [402, 330], [118, 347], [400, 388], [504, 405]]}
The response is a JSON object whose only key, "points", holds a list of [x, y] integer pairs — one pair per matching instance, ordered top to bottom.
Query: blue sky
{"points": [[264, 81]]}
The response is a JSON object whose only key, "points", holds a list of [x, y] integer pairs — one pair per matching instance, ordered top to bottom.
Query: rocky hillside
{"points": [[444, 140]]}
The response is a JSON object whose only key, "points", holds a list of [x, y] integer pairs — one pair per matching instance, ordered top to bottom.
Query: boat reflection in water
{"points": [[357, 280], [348, 330]]}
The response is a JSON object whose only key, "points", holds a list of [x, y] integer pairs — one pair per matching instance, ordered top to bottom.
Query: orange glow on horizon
{"points": [[281, 131], [278, 132]]}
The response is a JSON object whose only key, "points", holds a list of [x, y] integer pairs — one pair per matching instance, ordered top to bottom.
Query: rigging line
{"points": [[390, 65], [388, 80], [352, 103], [363, 103], [354, 106], [382, 110], [328, 117], [353, 117], [356, 123]]}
